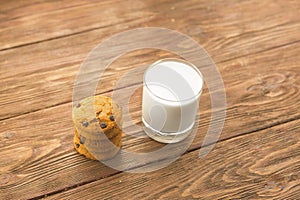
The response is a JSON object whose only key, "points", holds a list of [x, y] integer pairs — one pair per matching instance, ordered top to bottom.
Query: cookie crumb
{"points": [[103, 125]]}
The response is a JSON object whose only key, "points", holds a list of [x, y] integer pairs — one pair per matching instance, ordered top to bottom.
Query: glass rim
{"points": [[174, 60]]}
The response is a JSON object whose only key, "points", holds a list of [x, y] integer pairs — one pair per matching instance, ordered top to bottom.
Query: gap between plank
{"points": [[188, 151]]}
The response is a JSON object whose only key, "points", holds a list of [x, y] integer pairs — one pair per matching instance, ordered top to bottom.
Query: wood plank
{"points": [[12, 10], [67, 19], [33, 22], [53, 66], [42, 139], [40, 143], [263, 165]]}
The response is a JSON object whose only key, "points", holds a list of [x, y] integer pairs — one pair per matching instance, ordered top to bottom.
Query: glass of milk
{"points": [[171, 94]]}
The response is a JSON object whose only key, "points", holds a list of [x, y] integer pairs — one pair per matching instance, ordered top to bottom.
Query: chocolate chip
{"points": [[78, 105], [112, 118], [85, 124], [103, 125], [82, 140], [77, 145]]}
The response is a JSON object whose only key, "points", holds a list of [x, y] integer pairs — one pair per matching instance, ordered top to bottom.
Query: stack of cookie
{"points": [[98, 123]]}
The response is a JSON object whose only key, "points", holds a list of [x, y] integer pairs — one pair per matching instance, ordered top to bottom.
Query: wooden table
{"points": [[255, 45]]}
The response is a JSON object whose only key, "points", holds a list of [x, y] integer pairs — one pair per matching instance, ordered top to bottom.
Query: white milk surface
{"points": [[171, 95]]}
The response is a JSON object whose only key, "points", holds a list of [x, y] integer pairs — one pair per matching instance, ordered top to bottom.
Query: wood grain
{"points": [[22, 10], [44, 20], [54, 23], [256, 46], [53, 64], [259, 107], [264, 165]]}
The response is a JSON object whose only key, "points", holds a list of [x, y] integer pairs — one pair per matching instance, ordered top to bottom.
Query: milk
{"points": [[171, 94]]}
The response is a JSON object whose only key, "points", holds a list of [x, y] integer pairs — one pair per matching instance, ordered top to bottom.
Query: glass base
{"points": [[166, 137]]}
